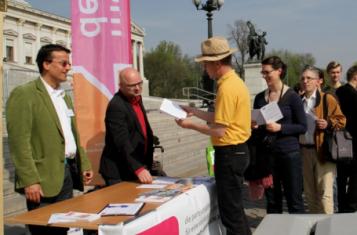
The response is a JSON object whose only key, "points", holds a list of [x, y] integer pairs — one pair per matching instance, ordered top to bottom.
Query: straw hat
{"points": [[214, 49]]}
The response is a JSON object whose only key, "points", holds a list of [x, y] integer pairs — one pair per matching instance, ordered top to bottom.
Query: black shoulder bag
{"points": [[337, 144]]}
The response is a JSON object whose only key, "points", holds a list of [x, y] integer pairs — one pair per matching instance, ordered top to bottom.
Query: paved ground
{"points": [[255, 211]]}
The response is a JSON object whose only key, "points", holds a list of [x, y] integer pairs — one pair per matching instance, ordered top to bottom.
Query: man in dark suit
{"points": [[44, 143], [128, 151], [347, 172]]}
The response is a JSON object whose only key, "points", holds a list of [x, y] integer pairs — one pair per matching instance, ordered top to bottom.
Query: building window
{"points": [[10, 53], [28, 53], [28, 60]]}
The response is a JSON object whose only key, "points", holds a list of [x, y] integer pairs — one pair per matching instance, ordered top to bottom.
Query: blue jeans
{"points": [[230, 164], [288, 181]]}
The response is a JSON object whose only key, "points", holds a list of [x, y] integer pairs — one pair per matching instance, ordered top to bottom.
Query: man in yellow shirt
{"points": [[229, 128]]}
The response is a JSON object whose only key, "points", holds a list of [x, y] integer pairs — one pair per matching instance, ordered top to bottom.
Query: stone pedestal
{"points": [[253, 79]]}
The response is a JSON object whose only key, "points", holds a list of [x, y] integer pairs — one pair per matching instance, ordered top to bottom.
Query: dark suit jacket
{"points": [[347, 96], [36, 140], [124, 150]]}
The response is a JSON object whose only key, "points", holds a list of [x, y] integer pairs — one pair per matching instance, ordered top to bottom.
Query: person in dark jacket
{"points": [[281, 138], [128, 151], [347, 172]]}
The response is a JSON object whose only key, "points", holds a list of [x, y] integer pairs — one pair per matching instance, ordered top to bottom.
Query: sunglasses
{"points": [[64, 63]]}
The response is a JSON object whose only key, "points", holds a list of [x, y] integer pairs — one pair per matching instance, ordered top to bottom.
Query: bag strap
{"points": [[324, 106]]}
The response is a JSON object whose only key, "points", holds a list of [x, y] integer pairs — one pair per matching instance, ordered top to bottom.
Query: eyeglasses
{"points": [[64, 63], [266, 73], [308, 78], [140, 84]]}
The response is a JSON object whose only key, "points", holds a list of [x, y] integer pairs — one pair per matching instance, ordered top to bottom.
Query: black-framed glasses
{"points": [[266, 73], [308, 78], [140, 84]]}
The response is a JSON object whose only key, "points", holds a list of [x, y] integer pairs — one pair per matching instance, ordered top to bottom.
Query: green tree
{"points": [[295, 63], [168, 71]]}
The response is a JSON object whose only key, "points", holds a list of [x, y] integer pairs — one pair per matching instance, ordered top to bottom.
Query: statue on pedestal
{"points": [[256, 43]]}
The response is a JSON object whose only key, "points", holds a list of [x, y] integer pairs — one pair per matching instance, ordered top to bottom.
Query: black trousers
{"points": [[230, 164], [288, 181], [347, 186], [65, 193]]}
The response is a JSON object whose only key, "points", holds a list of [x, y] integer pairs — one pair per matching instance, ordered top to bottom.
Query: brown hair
{"points": [[276, 63], [333, 65], [351, 72]]}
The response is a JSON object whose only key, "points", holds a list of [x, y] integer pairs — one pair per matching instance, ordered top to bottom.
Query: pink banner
{"points": [[101, 41], [101, 46]]}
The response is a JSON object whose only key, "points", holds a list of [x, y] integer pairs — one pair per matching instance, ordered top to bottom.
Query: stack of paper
{"points": [[173, 109], [268, 113], [158, 195], [121, 209], [72, 217]]}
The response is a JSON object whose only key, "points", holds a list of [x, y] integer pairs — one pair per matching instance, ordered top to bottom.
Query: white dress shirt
{"points": [[64, 115]]}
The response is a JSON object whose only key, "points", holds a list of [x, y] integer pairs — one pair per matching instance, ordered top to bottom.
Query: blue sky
{"points": [[324, 28]]}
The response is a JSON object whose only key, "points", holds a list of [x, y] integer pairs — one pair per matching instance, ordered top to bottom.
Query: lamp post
{"points": [[209, 6]]}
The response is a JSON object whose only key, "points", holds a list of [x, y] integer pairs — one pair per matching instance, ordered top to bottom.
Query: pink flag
{"points": [[101, 45]]}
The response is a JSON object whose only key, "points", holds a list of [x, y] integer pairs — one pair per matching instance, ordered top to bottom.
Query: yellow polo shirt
{"points": [[232, 109]]}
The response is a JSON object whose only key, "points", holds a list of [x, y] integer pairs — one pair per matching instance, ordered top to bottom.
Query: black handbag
{"points": [[337, 144], [260, 157]]}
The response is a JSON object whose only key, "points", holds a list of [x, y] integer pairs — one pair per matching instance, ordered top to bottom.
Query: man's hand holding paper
{"points": [[173, 109]]}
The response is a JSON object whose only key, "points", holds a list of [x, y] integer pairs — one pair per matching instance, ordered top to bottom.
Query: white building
{"points": [[26, 29]]}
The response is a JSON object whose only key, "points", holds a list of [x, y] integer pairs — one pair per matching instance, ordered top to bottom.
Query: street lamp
{"points": [[209, 6]]}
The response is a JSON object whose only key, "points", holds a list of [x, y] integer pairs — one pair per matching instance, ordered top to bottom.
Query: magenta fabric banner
{"points": [[101, 41], [101, 46]]}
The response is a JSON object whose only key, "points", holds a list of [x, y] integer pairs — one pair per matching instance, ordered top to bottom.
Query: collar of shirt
{"points": [[225, 77], [51, 91], [135, 100], [309, 103]]}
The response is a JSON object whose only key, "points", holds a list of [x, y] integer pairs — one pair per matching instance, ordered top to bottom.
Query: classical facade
{"points": [[26, 29]]}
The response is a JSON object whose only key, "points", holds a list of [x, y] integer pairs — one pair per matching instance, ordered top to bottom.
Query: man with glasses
{"points": [[44, 143], [128, 151], [318, 173]]}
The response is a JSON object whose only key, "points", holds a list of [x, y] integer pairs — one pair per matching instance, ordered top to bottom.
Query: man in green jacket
{"points": [[44, 143]]}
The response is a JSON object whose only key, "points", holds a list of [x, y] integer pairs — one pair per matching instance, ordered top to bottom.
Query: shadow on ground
{"points": [[15, 230]]}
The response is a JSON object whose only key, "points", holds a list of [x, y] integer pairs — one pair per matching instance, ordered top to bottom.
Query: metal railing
{"points": [[14, 77], [198, 93]]}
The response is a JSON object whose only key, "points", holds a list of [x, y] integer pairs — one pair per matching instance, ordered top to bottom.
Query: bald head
{"points": [[128, 75], [130, 82]]}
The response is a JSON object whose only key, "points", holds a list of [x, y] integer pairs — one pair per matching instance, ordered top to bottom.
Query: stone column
{"points": [[38, 36], [54, 38], [20, 40], [69, 41], [135, 52], [141, 59], [141, 65], [253, 79]]}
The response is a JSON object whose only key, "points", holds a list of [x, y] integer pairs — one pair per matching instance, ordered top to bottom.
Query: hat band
{"points": [[222, 53]]}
